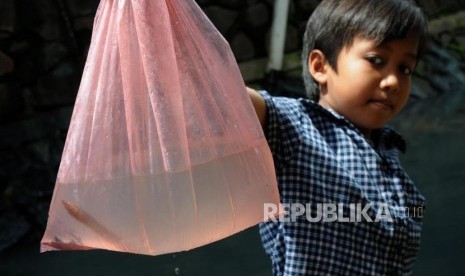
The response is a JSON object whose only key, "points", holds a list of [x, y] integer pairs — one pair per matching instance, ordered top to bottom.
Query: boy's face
{"points": [[372, 82]]}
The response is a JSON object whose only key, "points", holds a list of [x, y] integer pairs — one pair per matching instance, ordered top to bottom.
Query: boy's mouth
{"points": [[382, 103]]}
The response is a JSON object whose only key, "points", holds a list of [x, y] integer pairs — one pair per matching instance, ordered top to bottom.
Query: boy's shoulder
{"points": [[301, 109]]}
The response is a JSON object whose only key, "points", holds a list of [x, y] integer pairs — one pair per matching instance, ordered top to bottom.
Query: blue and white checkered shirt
{"points": [[322, 160]]}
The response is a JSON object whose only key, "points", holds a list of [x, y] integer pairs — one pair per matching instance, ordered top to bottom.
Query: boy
{"points": [[334, 151]]}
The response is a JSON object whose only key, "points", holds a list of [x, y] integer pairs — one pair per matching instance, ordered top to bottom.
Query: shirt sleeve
{"points": [[282, 127]]}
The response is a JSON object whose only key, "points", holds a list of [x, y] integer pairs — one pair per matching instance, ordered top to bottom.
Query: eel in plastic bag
{"points": [[164, 152]]}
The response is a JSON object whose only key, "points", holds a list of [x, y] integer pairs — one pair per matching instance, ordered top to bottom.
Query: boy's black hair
{"points": [[335, 23]]}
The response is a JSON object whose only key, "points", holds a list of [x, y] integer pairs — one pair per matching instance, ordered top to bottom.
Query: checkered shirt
{"points": [[320, 157]]}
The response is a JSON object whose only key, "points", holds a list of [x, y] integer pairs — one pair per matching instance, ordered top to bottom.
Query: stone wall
{"points": [[43, 45]]}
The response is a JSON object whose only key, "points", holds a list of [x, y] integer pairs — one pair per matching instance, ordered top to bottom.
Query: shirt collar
{"points": [[389, 138]]}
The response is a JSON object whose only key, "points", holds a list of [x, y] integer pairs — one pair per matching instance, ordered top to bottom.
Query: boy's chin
{"points": [[379, 125], [367, 127]]}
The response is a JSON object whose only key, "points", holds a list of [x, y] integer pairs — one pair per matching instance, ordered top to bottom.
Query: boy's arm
{"points": [[258, 104]]}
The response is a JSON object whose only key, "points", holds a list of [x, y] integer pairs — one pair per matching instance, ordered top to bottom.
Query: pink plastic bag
{"points": [[164, 152]]}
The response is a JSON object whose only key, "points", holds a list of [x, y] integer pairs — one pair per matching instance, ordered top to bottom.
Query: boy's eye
{"points": [[375, 60], [406, 70]]}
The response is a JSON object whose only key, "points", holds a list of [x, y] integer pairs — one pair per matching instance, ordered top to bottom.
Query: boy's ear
{"points": [[317, 66]]}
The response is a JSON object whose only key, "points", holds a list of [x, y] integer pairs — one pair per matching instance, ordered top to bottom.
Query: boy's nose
{"points": [[390, 83]]}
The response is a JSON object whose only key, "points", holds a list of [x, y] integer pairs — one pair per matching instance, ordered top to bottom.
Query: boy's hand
{"points": [[259, 105]]}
